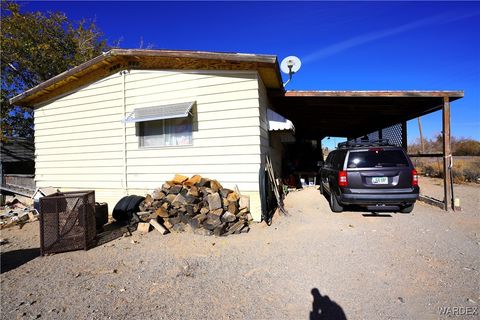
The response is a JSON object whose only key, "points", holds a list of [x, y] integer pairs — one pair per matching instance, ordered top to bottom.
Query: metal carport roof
{"points": [[317, 114]]}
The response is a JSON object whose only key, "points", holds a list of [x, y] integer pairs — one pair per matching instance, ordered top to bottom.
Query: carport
{"points": [[376, 114]]}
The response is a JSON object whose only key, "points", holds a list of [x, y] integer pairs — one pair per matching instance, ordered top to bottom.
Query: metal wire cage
{"points": [[67, 221]]}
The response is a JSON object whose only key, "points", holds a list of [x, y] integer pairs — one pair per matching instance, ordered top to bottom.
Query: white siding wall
{"points": [[264, 105], [79, 137], [78, 140]]}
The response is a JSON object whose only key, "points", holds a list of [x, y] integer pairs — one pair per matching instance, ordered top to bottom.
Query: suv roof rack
{"points": [[364, 143]]}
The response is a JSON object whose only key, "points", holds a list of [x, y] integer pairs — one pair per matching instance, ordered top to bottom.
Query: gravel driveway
{"points": [[349, 265]]}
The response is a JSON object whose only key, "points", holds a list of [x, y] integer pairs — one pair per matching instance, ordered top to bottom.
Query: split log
{"points": [[179, 179], [194, 180], [204, 183], [215, 185], [166, 187], [175, 189], [193, 191], [225, 192], [158, 194], [171, 197], [233, 197], [148, 200], [179, 200], [214, 201], [245, 202], [197, 203], [225, 203], [233, 207], [190, 210], [162, 212], [217, 212], [183, 217], [200, 217], [228, 217], [213, 218], [174, 220], [194, 223], [167, 224], [211, 224], [143, 227], [158, 227], [236, 227], [220, 230]]}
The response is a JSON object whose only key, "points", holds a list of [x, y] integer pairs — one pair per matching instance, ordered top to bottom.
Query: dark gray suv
{"points": [[373, 174]]}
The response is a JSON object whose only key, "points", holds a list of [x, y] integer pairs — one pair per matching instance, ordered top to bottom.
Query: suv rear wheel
{"points": [[334, 205], [407, 209]]}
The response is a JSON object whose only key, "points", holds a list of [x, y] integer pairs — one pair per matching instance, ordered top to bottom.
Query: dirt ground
{"points": [[345, 265]]}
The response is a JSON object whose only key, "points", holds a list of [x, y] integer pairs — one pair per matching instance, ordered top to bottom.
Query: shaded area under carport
{"points": [[352, 114]]}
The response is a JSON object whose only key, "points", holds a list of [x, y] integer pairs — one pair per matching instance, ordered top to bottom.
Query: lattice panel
{"points": [[393, 134], [373, 135]]}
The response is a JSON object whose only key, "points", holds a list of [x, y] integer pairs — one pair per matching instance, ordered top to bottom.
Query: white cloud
{"points": [[370, 37]]}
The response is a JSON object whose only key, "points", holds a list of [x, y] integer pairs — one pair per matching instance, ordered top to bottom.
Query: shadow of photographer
{"points": [[325, 309]]}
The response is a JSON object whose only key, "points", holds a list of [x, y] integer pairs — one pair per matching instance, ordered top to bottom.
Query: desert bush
{"points": [[460, 146], [466, 147], [428, 168], [465, 169], [430, 171], [472, 175], [458, 176]]}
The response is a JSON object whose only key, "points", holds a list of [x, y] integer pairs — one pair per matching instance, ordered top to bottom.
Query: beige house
{"points": [[126, 121]]}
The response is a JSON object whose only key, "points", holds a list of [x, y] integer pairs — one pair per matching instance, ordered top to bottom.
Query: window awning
{"points": [[166, 111], [277, 122]]}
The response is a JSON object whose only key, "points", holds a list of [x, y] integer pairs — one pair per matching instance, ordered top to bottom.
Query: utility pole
{"points": [[421, 135]]}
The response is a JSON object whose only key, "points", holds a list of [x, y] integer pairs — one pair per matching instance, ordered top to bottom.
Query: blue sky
{"points": [[343, 45]]}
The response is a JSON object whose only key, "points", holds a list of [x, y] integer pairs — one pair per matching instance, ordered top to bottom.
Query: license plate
{"points": [[379, 180]]}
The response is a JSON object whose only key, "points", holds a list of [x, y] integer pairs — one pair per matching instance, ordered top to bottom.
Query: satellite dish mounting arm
{"points": [[290, 65], [290, 73]]}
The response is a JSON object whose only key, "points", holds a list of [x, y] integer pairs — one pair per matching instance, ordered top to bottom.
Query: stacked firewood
{"points": [[197, 204]]}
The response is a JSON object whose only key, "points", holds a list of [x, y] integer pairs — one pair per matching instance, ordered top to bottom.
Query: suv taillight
{"points": [[414, 178], [342, 179]]}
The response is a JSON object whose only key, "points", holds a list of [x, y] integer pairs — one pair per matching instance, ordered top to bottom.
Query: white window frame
{"points": [[141, 135]]}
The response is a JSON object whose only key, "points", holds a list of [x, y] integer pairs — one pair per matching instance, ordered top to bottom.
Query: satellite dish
{"points": [[290, 65]]}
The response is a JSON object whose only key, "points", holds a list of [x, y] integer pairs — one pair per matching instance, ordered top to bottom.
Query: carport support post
{"points": [[404, 136], [447, 156]]}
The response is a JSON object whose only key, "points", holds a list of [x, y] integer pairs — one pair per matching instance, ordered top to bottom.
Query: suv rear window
{"points": [[377, 158]]}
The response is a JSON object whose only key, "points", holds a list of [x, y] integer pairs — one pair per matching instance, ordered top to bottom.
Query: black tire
{"points": [[321, 188], [266, 197], [334, 205], [126, 208], [407, 209], [120, 210]]}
